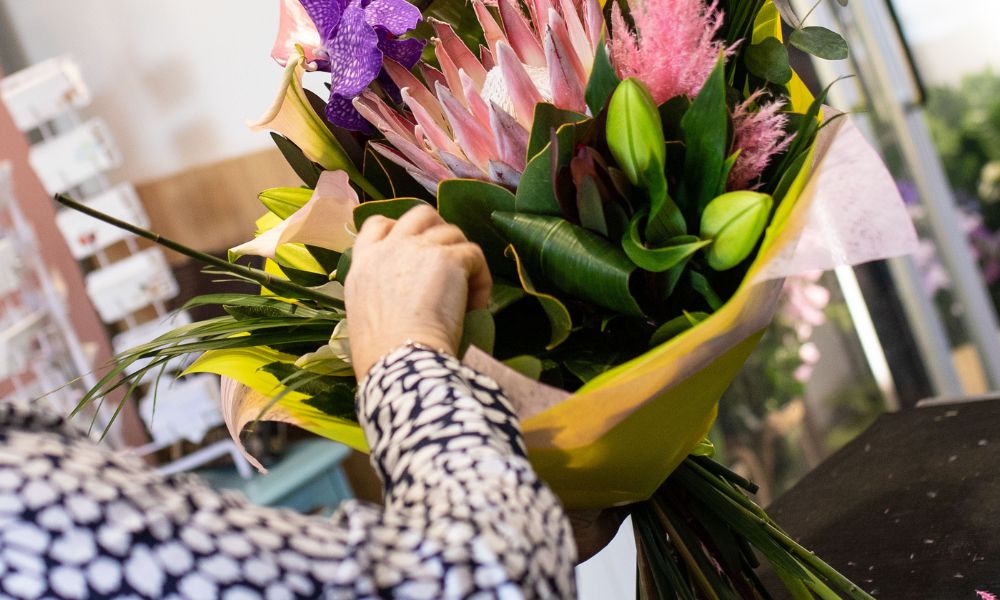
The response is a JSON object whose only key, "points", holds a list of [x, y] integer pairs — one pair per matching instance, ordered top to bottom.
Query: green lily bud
{"points": [[634, 131], [283, 202], [734, 222]]}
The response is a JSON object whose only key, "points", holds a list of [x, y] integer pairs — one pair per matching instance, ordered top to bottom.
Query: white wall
{"points": [[175, 80]]}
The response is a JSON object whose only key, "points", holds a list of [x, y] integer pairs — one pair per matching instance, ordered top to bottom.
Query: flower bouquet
{"points": [[640, 178]]}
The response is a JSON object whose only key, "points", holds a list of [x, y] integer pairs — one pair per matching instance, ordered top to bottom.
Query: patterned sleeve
{"points": [[464, 515]]}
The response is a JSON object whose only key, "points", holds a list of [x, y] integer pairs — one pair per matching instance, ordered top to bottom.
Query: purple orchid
{"points": [[355, 35]]}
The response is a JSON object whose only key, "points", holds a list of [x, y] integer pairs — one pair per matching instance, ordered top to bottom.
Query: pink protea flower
{"points": [[673, 49], [472, 118], [759, 135]]}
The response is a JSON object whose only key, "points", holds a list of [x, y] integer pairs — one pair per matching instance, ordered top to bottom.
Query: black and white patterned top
{"points": [[464, 517]]}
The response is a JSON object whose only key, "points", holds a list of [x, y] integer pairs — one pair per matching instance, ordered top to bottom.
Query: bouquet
{"points": [[640, 176]]}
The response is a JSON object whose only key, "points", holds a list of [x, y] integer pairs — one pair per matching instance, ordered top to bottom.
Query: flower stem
{"points": [[262, 277]]}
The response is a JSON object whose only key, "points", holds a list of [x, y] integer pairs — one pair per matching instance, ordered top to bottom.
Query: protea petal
{"points": [[538, 9], [594, 19], [491, 30], [560, 34], [578, 35], [522, 39], [461, 56], [487, 58], [450, 70], [432, 76], [567, 87], [521, 89], [417, 91], [476, 104], [384, 118], [439, 137], [511, 138], [475, 143], [423, 161], [460, 167], [504, 174], [325, 221]]}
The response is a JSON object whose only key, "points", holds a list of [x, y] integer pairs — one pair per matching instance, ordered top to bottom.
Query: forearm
{"points": [[449, 450]]}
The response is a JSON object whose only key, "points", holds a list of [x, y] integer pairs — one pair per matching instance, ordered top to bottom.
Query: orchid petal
{"points": [[325, 14], [397, 16], [295, 27], [492, 32], [522, 39], [406, 52], [459, 53], [355, 59], [523, 93], [511, 138], [475, 142], [324, 221]]}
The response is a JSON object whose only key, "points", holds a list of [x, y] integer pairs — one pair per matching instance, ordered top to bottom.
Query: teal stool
{"points": [[307, 478]]}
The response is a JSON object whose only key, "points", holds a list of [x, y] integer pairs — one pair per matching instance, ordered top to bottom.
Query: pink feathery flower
{"points": [[673, 50], [759, 135], [985, 595]]}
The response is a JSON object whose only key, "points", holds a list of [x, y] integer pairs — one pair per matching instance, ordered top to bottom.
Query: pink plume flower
{"points": [[673, 50], [759, 135], [985, 595]]}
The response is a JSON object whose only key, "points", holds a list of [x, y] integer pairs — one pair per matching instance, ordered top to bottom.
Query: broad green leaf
{"points": [[820, 42], [769, 60], [603, 80], [548, 118], [706, 135], [307, 170], [537, 193], [283, 202], [468, 204], [590, 206], [393, 209], [734, 223], [572, 259], [659, 259], [700, 284], [503, 295], [559, 319], [675, 327], [478, 330], [529, 366], [329, 394]]}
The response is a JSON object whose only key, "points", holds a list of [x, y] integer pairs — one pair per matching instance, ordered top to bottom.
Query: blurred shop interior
{"points": [[146, 121]]}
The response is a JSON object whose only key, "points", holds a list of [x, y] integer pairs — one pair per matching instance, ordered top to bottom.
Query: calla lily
{"points": [[292, 116], [325, 221], [334, 358]]}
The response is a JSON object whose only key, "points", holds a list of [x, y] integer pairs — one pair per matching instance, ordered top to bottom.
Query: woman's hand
{"points": [[411, 280]]}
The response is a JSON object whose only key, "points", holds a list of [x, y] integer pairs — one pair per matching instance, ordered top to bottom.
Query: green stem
{"points": [[373, 192], [262, 277], [756, 514], [685, 553]]}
